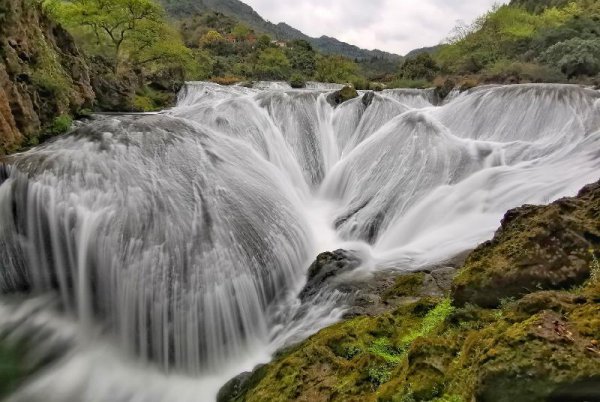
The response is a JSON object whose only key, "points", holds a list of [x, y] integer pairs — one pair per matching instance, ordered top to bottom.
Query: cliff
{"points": [[44, 78]]}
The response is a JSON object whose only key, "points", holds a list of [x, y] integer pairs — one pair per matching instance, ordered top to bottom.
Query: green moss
{"points": [[48, 75], [147, 99], [143, 103], [537, 248], [405, 286], [531, 342], [11, 370]]}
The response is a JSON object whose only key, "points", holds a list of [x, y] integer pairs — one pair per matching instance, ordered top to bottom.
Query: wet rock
{"points": [[443, 90], [343, 95], [367, 98], [536, 248], [325, 269], [235, 389]]}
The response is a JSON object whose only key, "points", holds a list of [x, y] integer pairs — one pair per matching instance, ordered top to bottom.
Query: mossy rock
{"points": [[297, 82], [343, 95], [536, 248], [326, 267], [406, 286], [532, 346]]}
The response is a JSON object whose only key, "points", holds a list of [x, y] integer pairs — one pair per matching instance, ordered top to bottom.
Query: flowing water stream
{"points": [[152, 258]]}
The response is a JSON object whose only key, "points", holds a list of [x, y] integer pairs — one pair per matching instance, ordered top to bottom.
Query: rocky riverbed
{"points": [[518, 321]]}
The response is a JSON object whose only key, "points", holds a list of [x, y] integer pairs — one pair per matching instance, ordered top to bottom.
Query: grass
{"points": [[432, 320]]}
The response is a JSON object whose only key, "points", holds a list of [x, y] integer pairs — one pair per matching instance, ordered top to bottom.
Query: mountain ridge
{"points": [[281, 30]]}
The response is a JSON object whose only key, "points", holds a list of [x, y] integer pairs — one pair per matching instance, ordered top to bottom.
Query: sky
{"points": [[397, 26]]}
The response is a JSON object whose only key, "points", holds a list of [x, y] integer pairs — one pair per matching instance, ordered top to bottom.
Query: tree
{"points": [[135, 25], [241, 31], [211, 38], [263, 42], [575, 56], [303, 58], [272, 65], [421, 66], [336, 69]]}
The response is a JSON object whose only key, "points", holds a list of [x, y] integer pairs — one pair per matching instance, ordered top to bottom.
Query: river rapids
{"points": [[152, 258]]}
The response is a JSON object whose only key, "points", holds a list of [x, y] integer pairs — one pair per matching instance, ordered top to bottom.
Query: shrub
{"points": [[575, 57], [272, 65], [422, 66], [523, 72], [226, 80], [297, 81], [404, 83], [142, 103], [60, 125]]}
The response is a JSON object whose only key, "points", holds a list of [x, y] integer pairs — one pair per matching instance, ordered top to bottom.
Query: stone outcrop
{"points": [[343, 95], [536, 248], [490, 340]]}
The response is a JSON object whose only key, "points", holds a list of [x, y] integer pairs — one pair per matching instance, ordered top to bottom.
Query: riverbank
{"points": [[520, 321]]}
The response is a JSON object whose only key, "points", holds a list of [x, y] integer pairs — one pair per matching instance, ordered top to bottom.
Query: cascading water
{"points": [[183, 238]]}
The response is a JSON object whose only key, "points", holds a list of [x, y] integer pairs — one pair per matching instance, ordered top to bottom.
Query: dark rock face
{"points": [[42, 74], [113, 93], [343, 95], [367, 98], [536, 248], [327, 266], [235, 390]]}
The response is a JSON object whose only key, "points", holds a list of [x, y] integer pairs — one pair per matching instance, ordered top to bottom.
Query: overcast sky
{"points": [[397, 26]]}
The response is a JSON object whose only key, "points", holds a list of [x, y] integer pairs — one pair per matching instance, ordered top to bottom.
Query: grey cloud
{"points": [[394, 25]]}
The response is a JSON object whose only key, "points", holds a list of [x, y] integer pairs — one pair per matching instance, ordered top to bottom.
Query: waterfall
{"points": [[184, 237]]}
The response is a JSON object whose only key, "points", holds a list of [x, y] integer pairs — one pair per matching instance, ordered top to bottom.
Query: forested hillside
{"points": [[281, 31], [525, 41]]}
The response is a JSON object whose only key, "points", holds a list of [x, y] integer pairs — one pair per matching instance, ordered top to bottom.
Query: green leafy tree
{"points": [[125, 26], [241, 31], [211, 38], [263, 42], [302, 56], [575, 57], [272, 65], [422, 66], [336, 69]]}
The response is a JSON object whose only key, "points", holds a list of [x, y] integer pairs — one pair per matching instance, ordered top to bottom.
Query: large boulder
{"points": [[343, 95], [536, 248], [326, 268]]}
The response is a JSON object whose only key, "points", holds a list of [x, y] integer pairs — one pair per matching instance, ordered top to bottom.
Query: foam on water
{"points": [[158, 256]]}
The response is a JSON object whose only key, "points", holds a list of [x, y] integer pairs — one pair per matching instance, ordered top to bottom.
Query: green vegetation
{"points": [[132, 32], [525, 41], [236, 53], [60, 125], [531, 343], [12, 370]]}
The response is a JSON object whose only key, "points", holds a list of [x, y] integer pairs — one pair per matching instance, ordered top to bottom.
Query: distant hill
{"points": [[282, 31], [429, 49]]}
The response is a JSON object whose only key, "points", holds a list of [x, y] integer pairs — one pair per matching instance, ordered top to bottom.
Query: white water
{"points": [[172, 246]]}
